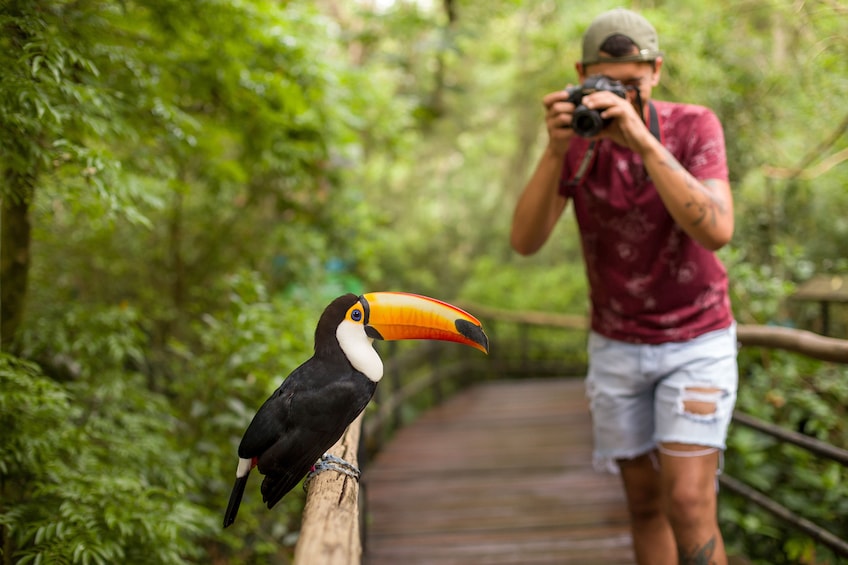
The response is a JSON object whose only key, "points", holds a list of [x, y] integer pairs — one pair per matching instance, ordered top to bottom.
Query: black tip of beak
{"points": [[371, 332], [473, 332]]}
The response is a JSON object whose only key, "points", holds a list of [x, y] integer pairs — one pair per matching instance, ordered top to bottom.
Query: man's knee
{"points": [[689, 482], [642, 486], [686, 498], [690, 503], [645, 510]]}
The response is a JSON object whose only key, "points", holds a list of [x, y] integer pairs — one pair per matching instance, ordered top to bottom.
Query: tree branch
{"points": [[803, 170]]}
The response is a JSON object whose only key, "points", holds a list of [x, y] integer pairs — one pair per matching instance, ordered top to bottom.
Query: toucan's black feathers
{"points": [[325, 332], [316, 403], [306, 415], [288, 434], [235, 500]]}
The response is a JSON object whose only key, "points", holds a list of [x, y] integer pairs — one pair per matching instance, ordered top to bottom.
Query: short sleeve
{"points": [[703, 150]]}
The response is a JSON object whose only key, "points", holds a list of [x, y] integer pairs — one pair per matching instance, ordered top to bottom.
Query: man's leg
{"points": [[622, 403], [694, 405], [688, 482], [653, 539]]}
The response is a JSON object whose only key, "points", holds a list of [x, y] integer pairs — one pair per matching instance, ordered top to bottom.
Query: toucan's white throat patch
{"points": [[359, 350]]}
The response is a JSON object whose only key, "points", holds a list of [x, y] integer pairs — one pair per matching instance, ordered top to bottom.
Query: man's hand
{"points": [[558, 114], [627, 128]]}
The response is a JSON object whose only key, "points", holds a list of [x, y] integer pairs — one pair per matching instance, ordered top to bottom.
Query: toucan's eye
{"points": [[356, 315]]}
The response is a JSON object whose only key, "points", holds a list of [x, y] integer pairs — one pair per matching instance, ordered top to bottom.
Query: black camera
{"points": [[586, 122]]}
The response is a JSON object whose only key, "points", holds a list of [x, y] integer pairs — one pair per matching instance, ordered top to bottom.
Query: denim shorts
{"points": [[637, 394]]}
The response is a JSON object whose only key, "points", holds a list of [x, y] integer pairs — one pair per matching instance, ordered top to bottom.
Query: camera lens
{"points": [[586, 122]]}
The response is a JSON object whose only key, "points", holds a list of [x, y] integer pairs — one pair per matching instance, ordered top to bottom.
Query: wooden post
{"points": [[825, 317], [524, 340], [329, 533]]}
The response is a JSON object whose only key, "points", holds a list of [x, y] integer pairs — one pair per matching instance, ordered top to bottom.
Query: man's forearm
{"points": [[539, 206], [704, 209]]}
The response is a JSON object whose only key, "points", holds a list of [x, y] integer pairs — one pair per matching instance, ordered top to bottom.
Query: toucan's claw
{"points": [[330, 462]]}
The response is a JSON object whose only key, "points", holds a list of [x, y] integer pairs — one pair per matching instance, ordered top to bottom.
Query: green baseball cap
{"points": [[624, 22]]}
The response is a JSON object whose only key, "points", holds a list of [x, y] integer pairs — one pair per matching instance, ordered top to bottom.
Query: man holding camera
{"points": [[649, 185]]}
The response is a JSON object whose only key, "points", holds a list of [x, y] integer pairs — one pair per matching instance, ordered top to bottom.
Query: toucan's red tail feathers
{"points": [[235, 500]]}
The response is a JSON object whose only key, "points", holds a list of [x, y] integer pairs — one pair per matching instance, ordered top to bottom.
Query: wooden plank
{"points": [[500, 473]]}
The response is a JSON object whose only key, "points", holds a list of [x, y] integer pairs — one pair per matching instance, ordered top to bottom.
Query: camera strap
{"points": [[589, 156]]}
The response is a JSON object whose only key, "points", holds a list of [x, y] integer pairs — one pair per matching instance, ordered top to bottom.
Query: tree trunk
{"points": [[15, 230]]}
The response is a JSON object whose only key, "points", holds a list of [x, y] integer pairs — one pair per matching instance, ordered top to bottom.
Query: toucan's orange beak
{"points": [[399, 315]]}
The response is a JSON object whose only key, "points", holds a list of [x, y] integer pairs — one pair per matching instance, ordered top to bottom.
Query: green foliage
{"points": [[177, 142], [544, 288], [761, 290], [91, 475]]}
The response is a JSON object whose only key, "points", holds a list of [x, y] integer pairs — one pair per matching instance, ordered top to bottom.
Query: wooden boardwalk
{"points": [[499, 474]]}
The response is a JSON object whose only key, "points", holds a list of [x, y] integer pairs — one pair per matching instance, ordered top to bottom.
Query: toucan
{"points": [[314, 405]]}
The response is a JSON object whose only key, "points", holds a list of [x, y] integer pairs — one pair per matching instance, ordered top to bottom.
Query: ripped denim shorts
{"points": [[642, 396]]}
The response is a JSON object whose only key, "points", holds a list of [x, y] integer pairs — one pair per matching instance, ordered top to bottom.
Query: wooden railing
{"points": [[816, 347], [423, 374]]}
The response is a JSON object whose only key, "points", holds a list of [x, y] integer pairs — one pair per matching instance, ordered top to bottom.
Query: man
{"points": [[652, 207]]}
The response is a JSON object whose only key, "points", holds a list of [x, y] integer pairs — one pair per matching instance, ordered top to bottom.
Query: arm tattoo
{"points": [[703, 197], [709, 205], [698, 555]]}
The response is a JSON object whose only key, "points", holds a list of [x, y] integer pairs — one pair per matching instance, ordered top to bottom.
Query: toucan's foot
{"points": [[330, 462], [335, 463]]}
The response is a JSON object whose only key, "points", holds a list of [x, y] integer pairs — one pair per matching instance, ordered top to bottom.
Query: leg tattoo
{"points": [[698, 555]]}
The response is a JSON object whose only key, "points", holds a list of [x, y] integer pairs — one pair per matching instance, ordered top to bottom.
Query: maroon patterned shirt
{"points": [[649, 281]]}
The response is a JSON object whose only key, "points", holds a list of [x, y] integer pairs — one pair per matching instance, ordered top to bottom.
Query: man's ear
{"points": [[581, 72], [655, 79]]}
